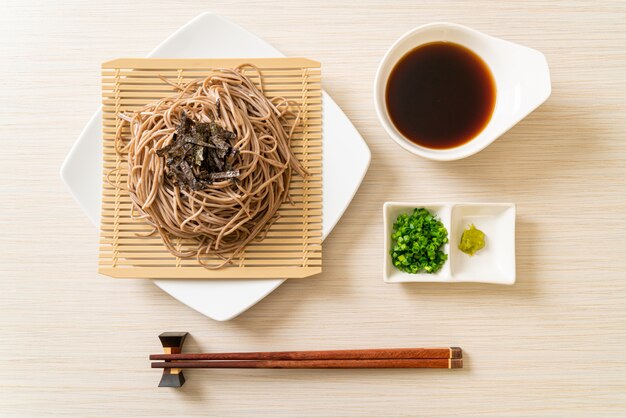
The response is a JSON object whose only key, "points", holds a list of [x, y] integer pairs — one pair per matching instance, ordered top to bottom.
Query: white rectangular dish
{"points": [[493, 264], [225, 299]]}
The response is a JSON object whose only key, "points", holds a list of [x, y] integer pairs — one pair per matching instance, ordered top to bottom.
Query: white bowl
{"points": [[521, 75], [493, 264]]}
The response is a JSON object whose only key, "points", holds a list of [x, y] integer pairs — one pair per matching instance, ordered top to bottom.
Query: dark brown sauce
{"points": [[440, 95]]}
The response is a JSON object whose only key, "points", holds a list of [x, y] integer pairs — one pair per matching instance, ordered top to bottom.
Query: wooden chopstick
{"points": [[368, 354], [173, 362], [422, 363]]}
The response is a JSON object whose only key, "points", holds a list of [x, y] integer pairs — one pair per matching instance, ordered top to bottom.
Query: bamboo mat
{"points": [[292, 247]]}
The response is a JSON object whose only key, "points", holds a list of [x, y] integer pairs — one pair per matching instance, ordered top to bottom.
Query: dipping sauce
{"points": [[440, 95]]}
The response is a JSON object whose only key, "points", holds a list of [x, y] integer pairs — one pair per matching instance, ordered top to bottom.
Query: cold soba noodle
{"points": [[223, 121]]}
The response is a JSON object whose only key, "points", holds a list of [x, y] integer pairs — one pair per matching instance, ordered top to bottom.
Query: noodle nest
{"points": [[228, 214]]}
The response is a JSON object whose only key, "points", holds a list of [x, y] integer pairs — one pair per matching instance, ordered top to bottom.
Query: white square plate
{"points": [[493, 264], [225, 299]]}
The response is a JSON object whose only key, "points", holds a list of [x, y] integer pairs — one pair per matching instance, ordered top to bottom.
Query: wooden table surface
{"points": [[76, 343]]}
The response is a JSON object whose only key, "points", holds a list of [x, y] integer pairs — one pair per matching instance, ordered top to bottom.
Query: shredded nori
{"points": [[199, 154]]}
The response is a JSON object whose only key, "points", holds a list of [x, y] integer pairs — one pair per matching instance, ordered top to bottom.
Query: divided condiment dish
{"points": [[493, 264]]}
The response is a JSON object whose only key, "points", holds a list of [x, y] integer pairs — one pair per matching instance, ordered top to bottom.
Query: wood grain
{"points": [[529, 349]]}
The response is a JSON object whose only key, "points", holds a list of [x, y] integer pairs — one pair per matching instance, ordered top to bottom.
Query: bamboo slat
{"points": [[292, 246]]}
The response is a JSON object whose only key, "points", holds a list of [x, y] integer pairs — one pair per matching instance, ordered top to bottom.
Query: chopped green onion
{"points": [[417, 244]]}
